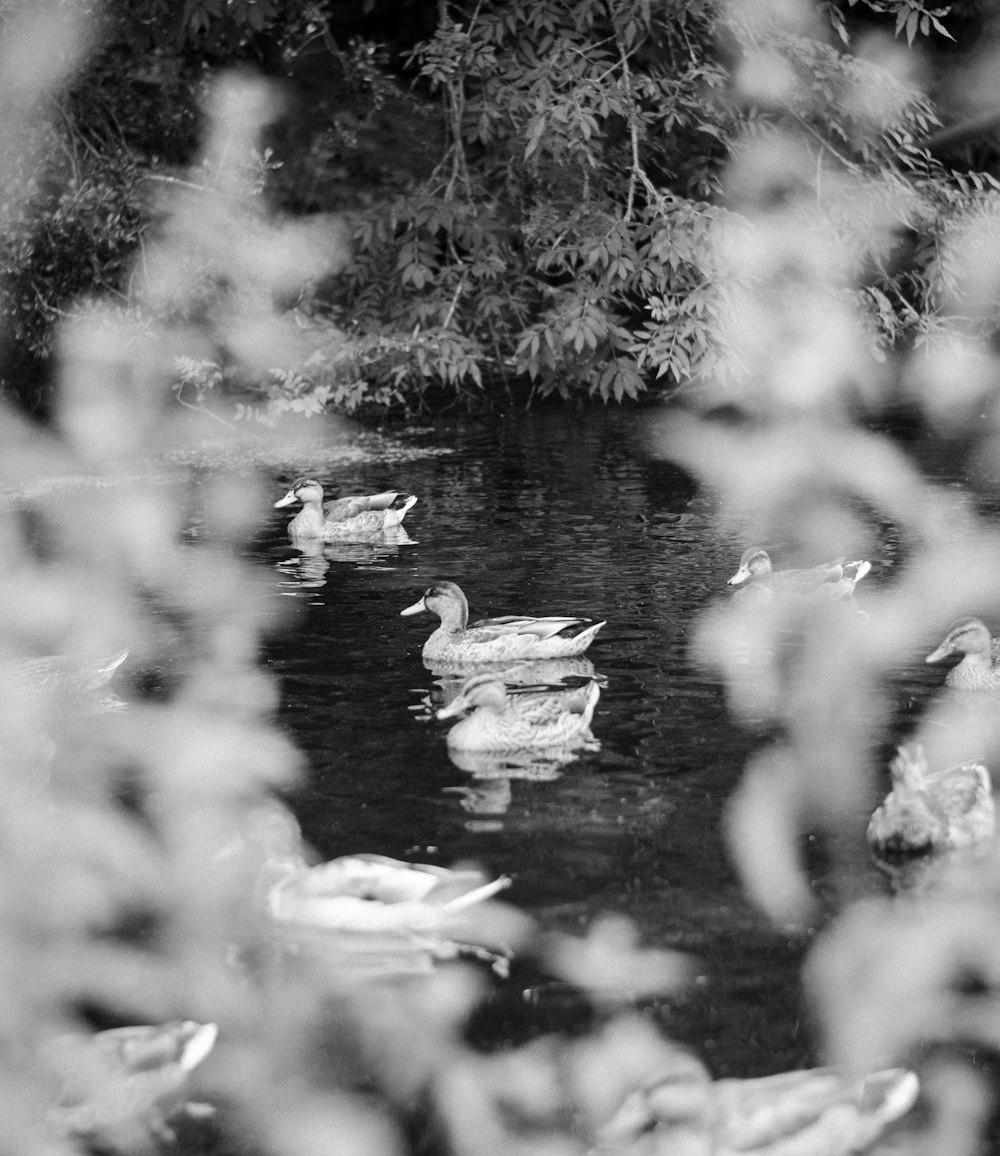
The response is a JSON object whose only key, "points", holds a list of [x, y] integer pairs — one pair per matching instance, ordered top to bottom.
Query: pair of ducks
{"points": [[496, 721], [926, 812], [931, 812], [121, 1088]]}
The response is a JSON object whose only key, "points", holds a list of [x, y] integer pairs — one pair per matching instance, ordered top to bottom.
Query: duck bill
{"points": [[288, 500], [739, 577], [414, 609], [943, 651]]}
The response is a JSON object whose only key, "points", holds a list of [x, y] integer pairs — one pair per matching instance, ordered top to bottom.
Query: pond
{"points": [[548, 513]]}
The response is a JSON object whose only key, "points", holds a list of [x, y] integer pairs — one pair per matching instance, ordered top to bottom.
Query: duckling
{"points": [[359, 517], [835, 579], [496, 639], [979, 668], [501, 722], [929, 812], [120, 1088], [815, 1110]]}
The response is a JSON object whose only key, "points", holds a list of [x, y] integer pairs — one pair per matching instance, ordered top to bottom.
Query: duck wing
{"points": [[341, 509], [541, 628], [547, 706], [964, 794]]}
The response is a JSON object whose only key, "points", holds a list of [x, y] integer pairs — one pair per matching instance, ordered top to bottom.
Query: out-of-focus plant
{"points": [[795, 469], [133, 890]]}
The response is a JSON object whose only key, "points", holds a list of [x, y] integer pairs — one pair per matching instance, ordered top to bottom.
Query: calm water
{"points": [[552, 513]]}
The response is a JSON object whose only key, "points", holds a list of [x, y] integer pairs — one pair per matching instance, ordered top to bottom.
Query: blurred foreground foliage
{"points": [[515, 198], [120, 900]]}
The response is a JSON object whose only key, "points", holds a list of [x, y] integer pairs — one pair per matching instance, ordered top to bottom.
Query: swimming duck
{"points": [[361, 516], [835, 579], [496, 639], [979, 668], [502, 722], [932, 811], [376, 893], [371, 913], [120, 1088], [798, 1113]]}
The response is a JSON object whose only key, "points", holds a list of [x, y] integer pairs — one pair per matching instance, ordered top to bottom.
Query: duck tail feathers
{"points": [[395, 517], [860, 569], [588, 634], [478, 894], [198, 1045], [896, 1090]]}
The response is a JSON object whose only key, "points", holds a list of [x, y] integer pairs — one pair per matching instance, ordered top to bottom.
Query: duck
{"points": [[360, 516], [836, 579], [492, 640], [979, 668], [500, 722], [928, 812], [373, 913], [369, 914], [119, 1089], [797, 1113]]}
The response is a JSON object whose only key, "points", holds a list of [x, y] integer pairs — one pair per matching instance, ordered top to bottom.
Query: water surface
{"points": [[545, 514]]}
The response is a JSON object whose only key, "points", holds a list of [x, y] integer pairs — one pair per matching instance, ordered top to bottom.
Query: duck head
{"points": [[305, 490], [755, 563], [442, 599], [966, 636]]}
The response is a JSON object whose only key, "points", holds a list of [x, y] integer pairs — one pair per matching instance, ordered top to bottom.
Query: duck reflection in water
{"points": [[314, 555], [490, 791]]}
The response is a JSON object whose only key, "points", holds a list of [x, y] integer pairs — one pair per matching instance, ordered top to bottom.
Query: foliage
{"points": [[88, 206], [564, 235], [125, 892]]}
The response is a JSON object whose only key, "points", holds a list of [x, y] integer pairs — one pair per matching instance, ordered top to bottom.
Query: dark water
{"points": [[544, 514]]}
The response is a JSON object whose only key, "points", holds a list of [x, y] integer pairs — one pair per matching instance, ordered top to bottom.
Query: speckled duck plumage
{"points": [[358, 517], [492, 640], [979, 668], [501, 722], [932, 811]]}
